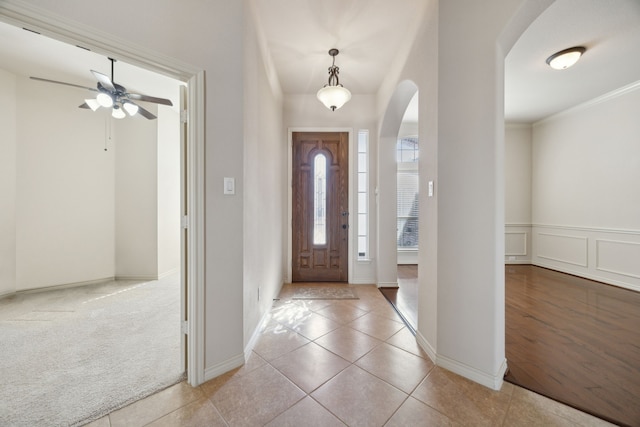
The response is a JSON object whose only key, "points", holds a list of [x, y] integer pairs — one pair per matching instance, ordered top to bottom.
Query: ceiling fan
{"points": [[115, 96]]}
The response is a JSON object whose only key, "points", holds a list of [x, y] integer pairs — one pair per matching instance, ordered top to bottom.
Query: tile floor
{"points": [[336, 363]]}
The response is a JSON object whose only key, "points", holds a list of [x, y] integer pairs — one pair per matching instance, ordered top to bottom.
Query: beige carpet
{"points": [[70, 356]]}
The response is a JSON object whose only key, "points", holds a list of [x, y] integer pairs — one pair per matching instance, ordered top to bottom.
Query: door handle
{"points": [[345, 213], [345, 226]]}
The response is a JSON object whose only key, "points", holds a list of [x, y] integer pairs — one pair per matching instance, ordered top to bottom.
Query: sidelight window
{"points": [[363, 194], [320, 200]]}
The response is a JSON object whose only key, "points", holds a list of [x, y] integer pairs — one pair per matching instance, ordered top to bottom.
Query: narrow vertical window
{"points": [[407, 192], [363, 194], [320, 200]]}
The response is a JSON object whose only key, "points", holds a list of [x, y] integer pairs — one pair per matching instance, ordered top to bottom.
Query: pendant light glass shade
{"points": [[565, 58], [334, 97], [104, 100], [92, 103], [130, 108], [117, 113]]}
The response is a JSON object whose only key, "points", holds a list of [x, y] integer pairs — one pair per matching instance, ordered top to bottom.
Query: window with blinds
{"points": [[407, 193]]}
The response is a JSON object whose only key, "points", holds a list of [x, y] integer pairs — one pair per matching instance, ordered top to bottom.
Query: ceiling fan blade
{"points": [[104, 80], [63, 83], [148, 98], [145, 113]]}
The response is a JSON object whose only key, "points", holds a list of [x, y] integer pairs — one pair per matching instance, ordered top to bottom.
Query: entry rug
{"points": [[325, 293]]}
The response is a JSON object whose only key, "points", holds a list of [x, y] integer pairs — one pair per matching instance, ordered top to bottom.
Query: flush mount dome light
{"points": [[565, 58], [333, 95]]}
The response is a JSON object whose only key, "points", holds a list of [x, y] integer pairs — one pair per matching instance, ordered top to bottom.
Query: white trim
{"points": [[52, 25], [593, 102], [351, 185], [595, 229], [582, 238], [524, 252], [597, 265], [139, 278], [387, 284], [61, 286], [256, 335], [426, 346], [223, 367], [494, 382]]}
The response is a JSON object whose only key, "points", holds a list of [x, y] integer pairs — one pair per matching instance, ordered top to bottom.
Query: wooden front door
{"points": [[320, 206]]}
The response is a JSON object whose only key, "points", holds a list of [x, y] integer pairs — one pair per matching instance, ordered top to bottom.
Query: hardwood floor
{"points": [[404, 298], [574, 340]]}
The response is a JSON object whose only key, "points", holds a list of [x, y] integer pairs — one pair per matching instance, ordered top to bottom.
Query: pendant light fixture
{"points": [[565, 58], [333, 95]]}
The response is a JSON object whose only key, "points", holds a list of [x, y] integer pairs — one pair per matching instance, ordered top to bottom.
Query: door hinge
{"points": [[184, 116], [184, 222], [184, 327]]}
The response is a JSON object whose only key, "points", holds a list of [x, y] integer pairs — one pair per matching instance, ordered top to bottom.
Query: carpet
{"points": [[325, 293], [70, 356]]}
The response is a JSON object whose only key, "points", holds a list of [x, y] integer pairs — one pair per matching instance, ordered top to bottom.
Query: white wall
{"points": [[305, 111], [462, 137], [7, 182], [263, 182], [517, 184], [65, 189], [136, 197], [585, 198]]}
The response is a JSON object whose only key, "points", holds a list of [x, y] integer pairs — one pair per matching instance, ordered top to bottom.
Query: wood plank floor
{"points": [[405, 297], [571, 339], [574, 340]]}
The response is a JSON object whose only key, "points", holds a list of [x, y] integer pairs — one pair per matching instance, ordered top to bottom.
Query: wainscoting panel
{"points": [[517, 244], [562, 248], [606, 255], [618, 257]]}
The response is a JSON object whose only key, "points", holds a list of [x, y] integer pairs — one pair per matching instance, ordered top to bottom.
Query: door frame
{"points": [[70, 32], [289, 227]]}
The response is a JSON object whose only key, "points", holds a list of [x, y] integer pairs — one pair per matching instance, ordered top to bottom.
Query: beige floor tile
{"points": [[342, 312], [313, 326], [377, 326], [277, 340], [405, 340], [348, 343], [310, 366], [395, 366], [211, 386], [256, 398], [358, 398], [462, 400], [155, 406], [531, 409], [307, 412], [415, 413], [197, 414], [100, 422]]}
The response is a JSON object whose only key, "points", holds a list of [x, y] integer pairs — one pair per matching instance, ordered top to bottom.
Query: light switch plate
{"points": [[229, 185], [430, 188]]}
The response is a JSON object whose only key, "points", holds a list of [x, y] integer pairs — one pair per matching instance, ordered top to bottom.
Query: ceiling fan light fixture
{"points": [[565, 58], [333, 95], [104, 99], [92, 103], [130, 108], [117, 113]]}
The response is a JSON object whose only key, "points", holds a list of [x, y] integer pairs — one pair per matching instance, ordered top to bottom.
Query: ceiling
{"points": [[369, 34]]}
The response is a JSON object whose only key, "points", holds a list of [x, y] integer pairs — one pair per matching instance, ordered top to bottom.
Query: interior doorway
{"points": [[320, 206]]}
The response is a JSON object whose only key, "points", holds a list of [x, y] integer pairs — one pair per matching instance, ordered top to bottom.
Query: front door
{"points": [[320, 206]]}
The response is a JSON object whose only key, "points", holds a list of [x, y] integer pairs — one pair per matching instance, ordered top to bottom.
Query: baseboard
{"points": [[520, 261], [168, 273], [142, 278], [387, 284], [65, 285], [256, 334], [424, 345], [223, 367], [493, 382]]}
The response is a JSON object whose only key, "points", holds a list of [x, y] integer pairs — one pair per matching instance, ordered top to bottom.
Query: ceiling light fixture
{"points": [[565, 58], [333, 95], [117, 112]]}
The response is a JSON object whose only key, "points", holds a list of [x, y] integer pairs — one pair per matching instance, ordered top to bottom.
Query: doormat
{"points": [[325, 293]]}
